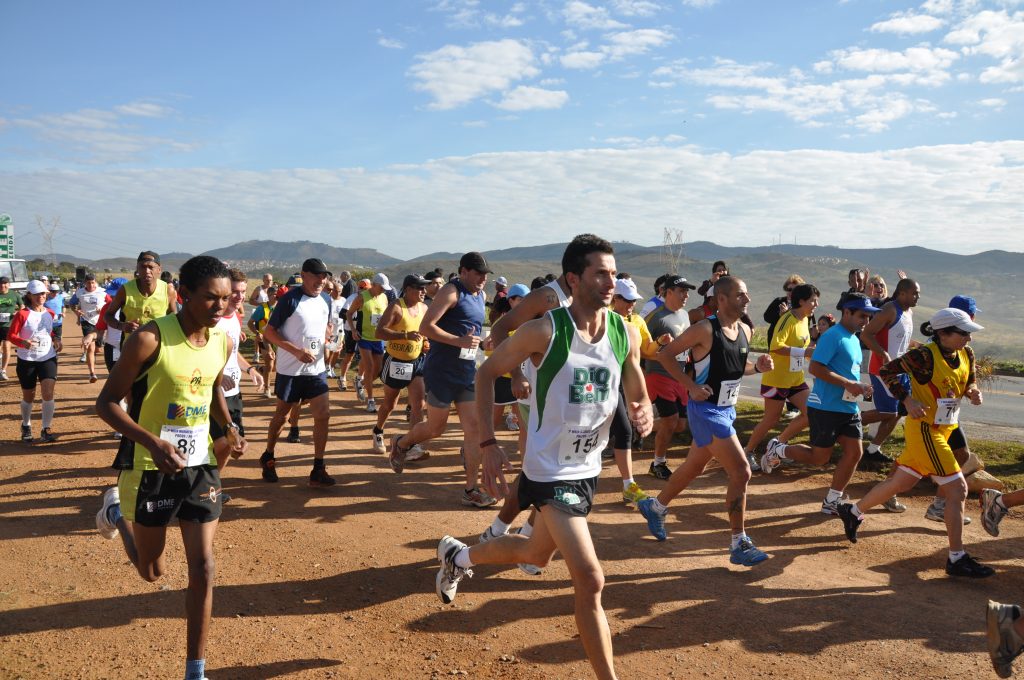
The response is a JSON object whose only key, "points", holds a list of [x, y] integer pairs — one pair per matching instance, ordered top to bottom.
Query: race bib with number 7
{"points": [[947, 411]]}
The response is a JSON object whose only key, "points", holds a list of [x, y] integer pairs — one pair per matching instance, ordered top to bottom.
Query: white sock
{"points": [[48, 408], [26, 413], [874, 448], [780, 450], [660, 460], [626, 483], [833, 496], [658, 507], [855, 509], [498, 528], [526, 530], [736, 538], [955, 555], [462, 559]]}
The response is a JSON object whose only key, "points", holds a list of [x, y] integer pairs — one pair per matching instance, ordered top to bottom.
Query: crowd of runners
{"points": [[569, 363]]}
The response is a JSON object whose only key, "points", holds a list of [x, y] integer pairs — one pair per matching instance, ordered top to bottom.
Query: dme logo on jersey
{"points": [[589, 385], [176, 411]]}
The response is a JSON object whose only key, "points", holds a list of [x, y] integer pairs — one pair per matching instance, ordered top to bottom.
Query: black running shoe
{"points": [[26, 434], [293, 435], [47, 436], [269, 466], [660, 470], [318, 477], [850, 521], [968, 567]]}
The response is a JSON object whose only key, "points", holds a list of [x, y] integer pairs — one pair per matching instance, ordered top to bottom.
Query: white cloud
{"points": [[700, 4], [636, 8], [588, 17], [908, 23], [998, 35], [639, 41], [391, 43], [582, 60], [876, 60], [455, 75], [524, 98], [993, 103], [144, 109], [474, 123], [898, 197]]}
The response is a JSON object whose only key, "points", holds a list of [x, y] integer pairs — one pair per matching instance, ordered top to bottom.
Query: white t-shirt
{"points": [[90, 303], [302, 320], [233, 328]]}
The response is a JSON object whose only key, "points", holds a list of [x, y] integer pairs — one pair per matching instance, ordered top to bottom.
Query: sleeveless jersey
{"points": [[563, 301], [140, 308], [373, 309], [465, 317], [895, 339], [406, 350], [726, 361], [947, 383], [575, 393], [172, 397]]}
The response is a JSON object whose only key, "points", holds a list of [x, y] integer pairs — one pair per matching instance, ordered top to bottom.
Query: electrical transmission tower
{"points": [[47, 231], [672, 250]]}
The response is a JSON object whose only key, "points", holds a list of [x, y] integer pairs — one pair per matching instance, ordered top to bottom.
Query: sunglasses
{"points": [[789, 289], [959, 332]]}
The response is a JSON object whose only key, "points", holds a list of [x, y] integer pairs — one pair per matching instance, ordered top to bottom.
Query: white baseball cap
{"points": [[382, 281], [501, 281], [35, 287], [627, 290], [951, 317]]}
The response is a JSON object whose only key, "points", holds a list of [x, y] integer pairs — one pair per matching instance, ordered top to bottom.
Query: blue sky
{"points": [[454, 124]]}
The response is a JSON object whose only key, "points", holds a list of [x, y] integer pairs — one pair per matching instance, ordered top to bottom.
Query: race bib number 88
{"points": [[191, 442]]}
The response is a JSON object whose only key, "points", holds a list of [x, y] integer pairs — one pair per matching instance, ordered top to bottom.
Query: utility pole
{"points": [[47, 231], [672, 250]]}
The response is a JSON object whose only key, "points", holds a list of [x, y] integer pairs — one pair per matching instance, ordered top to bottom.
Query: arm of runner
{"points": [[172, 299], [254, 299], [445, 300], [536, 303], [356, 305], [110, 314], [391, 315], [878, 323], [14, 330], [273, 336], [531, 338], [693, 338], [139, 351], [764, 362], [821, 371], [635, 388], [220, 414]]}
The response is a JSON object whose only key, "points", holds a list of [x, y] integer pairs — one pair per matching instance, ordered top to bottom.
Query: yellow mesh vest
{"points": [[946, 383]]}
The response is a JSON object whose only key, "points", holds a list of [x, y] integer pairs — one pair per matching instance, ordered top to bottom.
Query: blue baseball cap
{"points": [[518, 290], [858, 301], [965, 303]]}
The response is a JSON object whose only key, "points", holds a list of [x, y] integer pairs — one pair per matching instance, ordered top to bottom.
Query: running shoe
{"points": [[81, 359], [330, 372], [3, 375], [92, 378], [342, 384], [360, 391], [267, 394], [371, 406], [790, 415], [510, 423], [26, 434], [118, 435], [293, 435], [47, 436], [378, 443], [417, 452], [397, 456], [771, 459], [874, 459], [268, 466], [755, 466], [660, 470], [318, 477], [633, 493], [477, 498], [894, 505], [831, 507], [936, 511], [991, 512], [655, 520], [850, 521], [107, 528], [488, 535], [746, 553], [526, 567], [968, 567], [449, 575], [1004, 644]]}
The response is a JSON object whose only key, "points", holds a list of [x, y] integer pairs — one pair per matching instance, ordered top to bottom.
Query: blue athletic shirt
{"points": [[56, 305], [465, 317], [839, 349]]}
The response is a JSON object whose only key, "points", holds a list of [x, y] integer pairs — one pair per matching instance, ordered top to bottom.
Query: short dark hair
{"points": [[574, 259], [717, 264], [200, 268], [622, 275], [166, 276], [538, 282], [659, 282], [726, 285], [903, 285], [805, 291]]}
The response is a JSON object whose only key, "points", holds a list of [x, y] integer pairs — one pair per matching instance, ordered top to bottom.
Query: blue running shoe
{"points": [[655, 520], [747, 554]]}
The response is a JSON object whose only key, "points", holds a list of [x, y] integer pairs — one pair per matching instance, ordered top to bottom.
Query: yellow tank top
{"points": [[142, 308], [373, 308], [262, 323], [406, 350], [946, 383], [172, 397]]}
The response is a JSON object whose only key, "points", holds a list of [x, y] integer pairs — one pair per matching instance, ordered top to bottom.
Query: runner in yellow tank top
{"points": [[143, 299], [372, 303], [172, 366], [402, 366], [941, 375]]}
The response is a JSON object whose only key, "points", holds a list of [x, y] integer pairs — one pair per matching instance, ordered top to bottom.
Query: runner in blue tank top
{"points": [[719, 346]]}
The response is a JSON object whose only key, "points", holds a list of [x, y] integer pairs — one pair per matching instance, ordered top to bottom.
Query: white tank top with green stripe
{"points": [[172, 398], [573, 399]]}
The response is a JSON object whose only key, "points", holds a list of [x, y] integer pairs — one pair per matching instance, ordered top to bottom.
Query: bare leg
{"points": [[321, 409], [772, 413], [692, 467], [198, 540]]}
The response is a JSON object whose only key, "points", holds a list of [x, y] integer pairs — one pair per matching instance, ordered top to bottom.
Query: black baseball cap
{"points": [[148, 255], [475, 261], [315, 265], [414, 281], [679, 282]]}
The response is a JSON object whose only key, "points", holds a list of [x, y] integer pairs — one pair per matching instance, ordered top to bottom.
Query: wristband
{"points": [[250, 369], [757, 369], [488, 442]]}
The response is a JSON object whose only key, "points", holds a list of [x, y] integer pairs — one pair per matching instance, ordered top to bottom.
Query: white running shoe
{"points": [[330, 372], [3, 375], [371, 406], [510, 423], [378, 443], [417, 452], [771, 459], [832, 507], [936, 511], [991, 512], [107, 528], [488, 535], [528, 569], [449, 575]]}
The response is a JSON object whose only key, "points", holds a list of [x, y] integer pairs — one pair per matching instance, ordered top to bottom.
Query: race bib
{"points": [[5, 317], [375, 319], [41, 343], [315, 345], [468, 353], [683, 356], [797, 363], [399, 370], [235, 374], [729, 392], [852, 398], [947, 411], [191, 442], [576, 444]]}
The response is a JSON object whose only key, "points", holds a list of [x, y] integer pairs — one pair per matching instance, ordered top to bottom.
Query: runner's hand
{"points": [[129, 327], [414, 336], [468, 341], [488, 344], [305, 356], [765, 363], [257, 380], [227, 382], [700, 392], [974, 395], [915, 409], [641, 418], [237, 443], [167, 458], [495, 466]]}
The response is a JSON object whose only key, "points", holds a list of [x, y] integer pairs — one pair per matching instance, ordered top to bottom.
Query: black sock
{"points": [[378, 430], [318, 463]]}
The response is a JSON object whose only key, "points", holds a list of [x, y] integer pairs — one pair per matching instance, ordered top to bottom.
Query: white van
{"points": [[16, 271]]}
